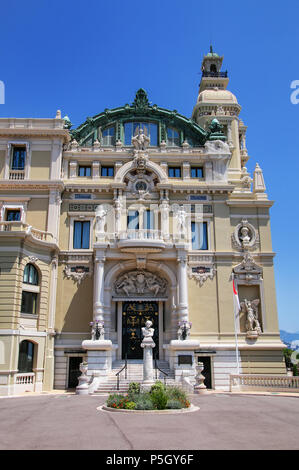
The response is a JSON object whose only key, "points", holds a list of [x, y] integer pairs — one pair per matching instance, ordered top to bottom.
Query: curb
{"points": [[191, 409]]}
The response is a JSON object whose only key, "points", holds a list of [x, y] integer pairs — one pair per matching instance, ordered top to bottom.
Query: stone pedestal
{"points": [[181, 357], [99, 359], [148, 367], [200, 387], [82, 388]]}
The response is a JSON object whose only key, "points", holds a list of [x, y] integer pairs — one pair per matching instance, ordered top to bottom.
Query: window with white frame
{"points": [[81, 235], [199, 235], [30, 290]]}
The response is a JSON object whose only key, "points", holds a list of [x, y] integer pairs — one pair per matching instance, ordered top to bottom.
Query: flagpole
{"points": [[236, 334]]}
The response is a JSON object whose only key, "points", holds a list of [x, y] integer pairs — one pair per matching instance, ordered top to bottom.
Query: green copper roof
{"points": [[140, 110]]}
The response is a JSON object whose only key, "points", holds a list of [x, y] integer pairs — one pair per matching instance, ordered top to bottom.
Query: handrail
{"points": [[158, 368], [120, 371]]}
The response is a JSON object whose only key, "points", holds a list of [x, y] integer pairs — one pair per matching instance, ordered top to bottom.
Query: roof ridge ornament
{"points": [[141, 101]]}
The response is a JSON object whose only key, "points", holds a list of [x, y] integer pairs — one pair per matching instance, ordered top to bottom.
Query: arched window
{"points": [[213, 68], [173, 137], [30, 275], [30, 290], [26, 355]]}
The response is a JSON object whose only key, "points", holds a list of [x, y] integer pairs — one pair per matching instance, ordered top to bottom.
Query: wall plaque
{"points": [[185, 359]]}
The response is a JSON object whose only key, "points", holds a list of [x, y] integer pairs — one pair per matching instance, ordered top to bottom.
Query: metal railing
{"points": [[215, 74], [124, 368], [157, 368]]}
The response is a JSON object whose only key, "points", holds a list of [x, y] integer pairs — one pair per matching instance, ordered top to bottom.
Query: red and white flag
{"points": [[236, 300]]}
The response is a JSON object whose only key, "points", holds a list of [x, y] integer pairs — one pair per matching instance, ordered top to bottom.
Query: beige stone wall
{"points": [[2, 163], [40, 165], [37, 213], [9, 283], [74, 307], [203, 308], [262, 362]]}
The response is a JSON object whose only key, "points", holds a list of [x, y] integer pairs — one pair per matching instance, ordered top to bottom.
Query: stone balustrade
{"points": [[17, 174], [17, 226], [25, 379], [261, 382]]}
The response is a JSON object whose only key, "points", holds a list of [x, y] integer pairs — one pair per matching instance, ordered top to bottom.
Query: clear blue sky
{"points": [[82, 57]]}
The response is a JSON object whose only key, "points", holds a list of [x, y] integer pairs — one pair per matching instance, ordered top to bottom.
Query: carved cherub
{"points": [[140, 140]]}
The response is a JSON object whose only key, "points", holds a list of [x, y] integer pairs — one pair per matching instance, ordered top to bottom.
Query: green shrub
{"points": [[295, 370], [157, 386], [134, 387], [176, 393], [159, 398], [116, 400], [143, 402], [130, 405], [174, 405]]}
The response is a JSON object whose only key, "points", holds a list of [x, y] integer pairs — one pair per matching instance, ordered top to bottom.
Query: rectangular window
{"points": [[108, 136], [18, 158], [84, 171], [107, 171], [174, 172], [196, 172], [13, 215], [133, 220], [148, 220], [199, 233], [81, 235], [29, 302]]}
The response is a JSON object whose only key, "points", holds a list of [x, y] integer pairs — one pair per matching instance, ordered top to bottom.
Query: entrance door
{"points": [[134, 316], [74, 372], [207, 373]]}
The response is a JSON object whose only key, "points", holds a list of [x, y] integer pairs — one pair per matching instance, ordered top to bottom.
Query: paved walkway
{"points": [[224, 421]]}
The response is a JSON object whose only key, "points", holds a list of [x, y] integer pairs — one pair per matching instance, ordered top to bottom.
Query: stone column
{"points": [[186, 170], [164, 209], [54, 213], [183, 286], [98, 288]]}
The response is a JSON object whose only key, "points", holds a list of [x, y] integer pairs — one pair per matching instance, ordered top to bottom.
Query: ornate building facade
{"points": [[139, 213]]}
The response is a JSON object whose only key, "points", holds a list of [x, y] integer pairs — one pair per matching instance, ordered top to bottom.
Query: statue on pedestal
{"points": [[250, 308], [148, 345]]}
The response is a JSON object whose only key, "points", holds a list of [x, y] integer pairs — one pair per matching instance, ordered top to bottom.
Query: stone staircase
{"points": [[134, 374]]}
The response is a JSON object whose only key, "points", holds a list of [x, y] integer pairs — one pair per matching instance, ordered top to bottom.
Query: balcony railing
{"points": [[214, 74], [16, 174], [17, 226], [142, 234], [25, 379], [264, 382]]}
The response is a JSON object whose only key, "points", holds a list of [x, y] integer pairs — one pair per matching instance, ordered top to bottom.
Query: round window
{"points": [[141, 186]]}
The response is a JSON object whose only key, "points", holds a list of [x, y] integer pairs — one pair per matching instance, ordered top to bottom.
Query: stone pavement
{"points": [[224, 421]]}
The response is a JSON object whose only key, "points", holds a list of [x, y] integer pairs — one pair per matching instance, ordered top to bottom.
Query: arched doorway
{"points": [[140, 295], [134, 316]]}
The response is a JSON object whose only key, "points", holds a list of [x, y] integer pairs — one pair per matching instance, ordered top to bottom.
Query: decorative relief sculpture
{"points": [[245, 236], [248, 270], [77, 273], [201, 273], [140, 284], [250, 308]]}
